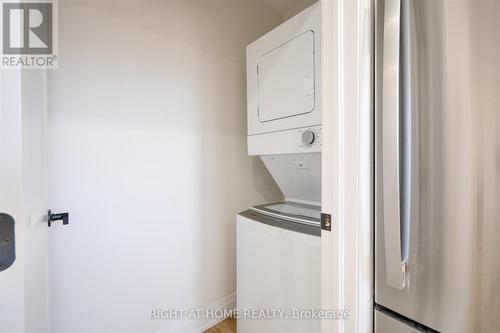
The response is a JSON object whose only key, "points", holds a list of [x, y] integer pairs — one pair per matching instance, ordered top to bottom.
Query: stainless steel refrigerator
{"points": [[437, 148]]}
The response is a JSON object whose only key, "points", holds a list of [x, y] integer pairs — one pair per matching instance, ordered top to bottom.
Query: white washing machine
{"points": [[278, 244], [278, 268]]}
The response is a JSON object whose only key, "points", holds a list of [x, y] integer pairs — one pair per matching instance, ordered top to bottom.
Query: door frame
{"points": [[347, 162], [24, 286], [12, 318]]}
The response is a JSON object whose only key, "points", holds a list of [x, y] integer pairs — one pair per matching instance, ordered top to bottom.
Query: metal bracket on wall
{"points": [[51, 217]]}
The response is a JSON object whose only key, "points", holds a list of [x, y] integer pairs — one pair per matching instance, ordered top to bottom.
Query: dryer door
{"points": [[286, 79]]}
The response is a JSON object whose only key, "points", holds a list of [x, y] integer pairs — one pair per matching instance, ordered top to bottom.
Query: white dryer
{"points": [[283, 87]]}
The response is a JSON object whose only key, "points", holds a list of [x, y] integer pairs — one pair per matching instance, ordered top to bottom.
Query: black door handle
{"points": [[51, 217]]}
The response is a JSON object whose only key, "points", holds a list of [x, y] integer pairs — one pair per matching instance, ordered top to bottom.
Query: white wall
{"points": [[288, 8], [297, 8], [147, 152]]}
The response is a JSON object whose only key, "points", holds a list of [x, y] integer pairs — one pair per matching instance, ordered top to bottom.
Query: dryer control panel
{"points": [[310, 137], [294, 141]]}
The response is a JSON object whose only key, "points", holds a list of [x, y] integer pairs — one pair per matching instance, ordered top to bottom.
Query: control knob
{"points": [[308, 137]]}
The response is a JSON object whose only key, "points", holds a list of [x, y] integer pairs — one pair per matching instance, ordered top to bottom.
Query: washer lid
{"points": [[292, 211]]}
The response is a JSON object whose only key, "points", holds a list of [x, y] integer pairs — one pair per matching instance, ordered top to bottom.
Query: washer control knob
{"points": [[308, 137]]}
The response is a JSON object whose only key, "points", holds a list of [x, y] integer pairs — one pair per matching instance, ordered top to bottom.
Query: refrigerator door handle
{"points": [[391, 137]]}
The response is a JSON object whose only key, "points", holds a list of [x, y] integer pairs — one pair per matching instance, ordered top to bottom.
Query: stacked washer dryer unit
{"points": [[278, 244]]}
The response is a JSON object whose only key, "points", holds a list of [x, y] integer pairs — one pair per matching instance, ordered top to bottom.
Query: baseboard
{"points": [[227, 303], [202, 324]]}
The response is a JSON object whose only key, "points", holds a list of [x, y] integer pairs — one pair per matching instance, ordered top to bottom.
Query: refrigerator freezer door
{"points": [[450, 165], [387, 324]]}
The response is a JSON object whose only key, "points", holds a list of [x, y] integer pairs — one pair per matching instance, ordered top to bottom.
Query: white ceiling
{"points": [[287, 7]]}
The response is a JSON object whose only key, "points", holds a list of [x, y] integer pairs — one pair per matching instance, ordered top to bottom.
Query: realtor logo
{"points": [[29, 37]]}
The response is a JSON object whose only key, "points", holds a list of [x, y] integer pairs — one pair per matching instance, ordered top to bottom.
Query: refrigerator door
{"points": [[438, 162]]}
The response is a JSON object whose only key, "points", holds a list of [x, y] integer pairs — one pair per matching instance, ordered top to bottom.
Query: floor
{"points": [[225, 326]]}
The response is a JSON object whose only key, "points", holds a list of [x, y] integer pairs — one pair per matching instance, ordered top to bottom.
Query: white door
{"points": [[24, 284]]}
